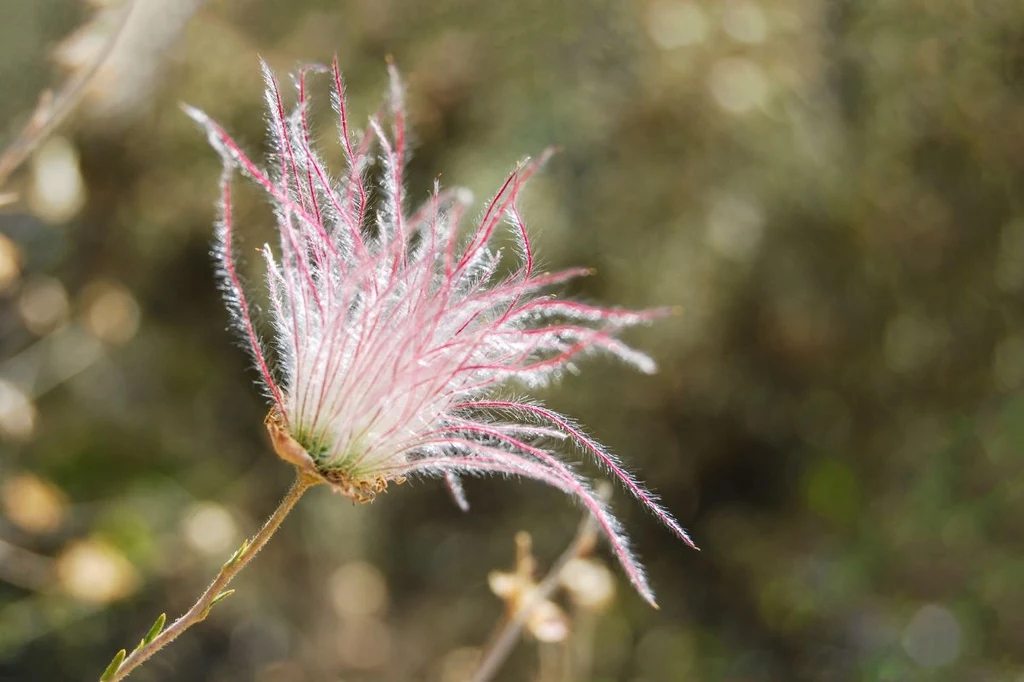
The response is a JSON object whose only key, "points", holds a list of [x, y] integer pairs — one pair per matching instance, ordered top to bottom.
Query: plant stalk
{"points": [[233, 567]]}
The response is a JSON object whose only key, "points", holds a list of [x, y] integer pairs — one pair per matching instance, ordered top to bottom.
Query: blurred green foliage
{"points": [[833, 192]]}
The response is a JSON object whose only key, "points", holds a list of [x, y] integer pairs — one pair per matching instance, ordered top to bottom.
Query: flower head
{"points": [[397, 339]]}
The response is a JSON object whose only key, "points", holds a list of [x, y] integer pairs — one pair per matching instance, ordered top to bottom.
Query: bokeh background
{"points": [[833, 193]]}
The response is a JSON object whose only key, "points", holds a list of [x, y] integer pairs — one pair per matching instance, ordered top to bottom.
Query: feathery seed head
{"points": [[394, 335]]}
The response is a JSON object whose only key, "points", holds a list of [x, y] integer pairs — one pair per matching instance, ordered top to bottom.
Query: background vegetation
{"points": [[832, 191]]}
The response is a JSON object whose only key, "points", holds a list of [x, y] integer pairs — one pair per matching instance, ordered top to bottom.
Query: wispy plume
{"points": [[400, 343]]}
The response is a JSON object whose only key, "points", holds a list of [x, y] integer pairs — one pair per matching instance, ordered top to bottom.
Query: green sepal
{"points": [[115, 664]]}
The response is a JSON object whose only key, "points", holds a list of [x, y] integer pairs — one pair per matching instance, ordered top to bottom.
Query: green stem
{"points": [[215, 591]]}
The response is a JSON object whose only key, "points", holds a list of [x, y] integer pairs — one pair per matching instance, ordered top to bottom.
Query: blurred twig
{"points": [[52, 109], [23, 568], [508, 633], [581, 657]]}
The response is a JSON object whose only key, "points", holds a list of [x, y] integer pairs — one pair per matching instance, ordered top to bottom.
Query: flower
{"points": [[397, 340]]}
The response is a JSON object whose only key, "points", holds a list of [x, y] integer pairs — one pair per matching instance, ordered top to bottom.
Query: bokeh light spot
{"points": [[744, 20], [676, 24], [738, 85], [58, 191], [735, 226], [10, 263], [43, 304], [111, 312], [17, 413], [32, 504], [210, 529], [93, 571], [589, 583], [358, 589], [933, 638]]}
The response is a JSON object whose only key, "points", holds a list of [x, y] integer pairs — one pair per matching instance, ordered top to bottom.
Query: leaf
{"points": [[239, 553], [220, 597], [157, 628], [115, 664]]}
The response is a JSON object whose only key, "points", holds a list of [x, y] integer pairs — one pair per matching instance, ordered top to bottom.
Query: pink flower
{"points": [[400, 343]]}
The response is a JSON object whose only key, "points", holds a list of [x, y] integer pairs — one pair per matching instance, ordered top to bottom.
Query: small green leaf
{"points": [[238, 554], [220, 597], [157, 628], [115, 664]]}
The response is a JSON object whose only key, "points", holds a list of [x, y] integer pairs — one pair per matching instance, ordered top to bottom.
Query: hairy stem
{"points": [[233, 567], [508, 634]]}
